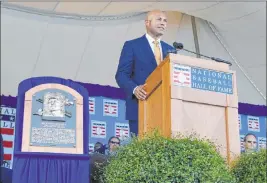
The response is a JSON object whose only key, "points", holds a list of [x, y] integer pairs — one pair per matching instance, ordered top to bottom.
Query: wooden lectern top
{"points": [[187, 92]]}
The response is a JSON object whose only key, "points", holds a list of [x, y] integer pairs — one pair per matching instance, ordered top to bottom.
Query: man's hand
{"points": [[140, 93]]}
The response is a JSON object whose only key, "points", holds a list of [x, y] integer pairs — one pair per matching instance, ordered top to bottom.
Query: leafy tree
{"points": [[156, 159], [251, 167]]}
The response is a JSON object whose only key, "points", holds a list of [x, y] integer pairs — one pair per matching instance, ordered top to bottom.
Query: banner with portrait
{"points": [[252, 132]]}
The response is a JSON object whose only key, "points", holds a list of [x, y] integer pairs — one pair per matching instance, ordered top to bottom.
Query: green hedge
{"points": [[156, 159], [251, 167]]}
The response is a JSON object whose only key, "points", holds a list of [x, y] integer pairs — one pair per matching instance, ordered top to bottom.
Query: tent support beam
{"points": [[193, 21], [219, 37]]}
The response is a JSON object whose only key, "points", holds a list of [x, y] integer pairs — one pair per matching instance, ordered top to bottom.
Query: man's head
{"points": [[156, 23], [250, 141], [113, 143], [97, 146]]}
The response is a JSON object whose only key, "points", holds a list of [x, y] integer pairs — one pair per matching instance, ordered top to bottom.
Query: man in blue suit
{"points": [[139, 58]]}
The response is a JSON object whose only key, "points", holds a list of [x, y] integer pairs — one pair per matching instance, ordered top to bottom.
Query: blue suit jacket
{"points": [[137, 62]]}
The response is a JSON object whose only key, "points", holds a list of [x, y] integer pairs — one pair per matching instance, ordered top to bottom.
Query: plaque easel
{"points": [[51, 136]]}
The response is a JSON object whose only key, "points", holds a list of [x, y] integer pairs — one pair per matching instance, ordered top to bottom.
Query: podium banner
{"points": [[202, 79]]}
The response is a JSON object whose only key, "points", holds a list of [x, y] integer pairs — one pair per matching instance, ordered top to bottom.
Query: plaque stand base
{"points": [[50, 168]]}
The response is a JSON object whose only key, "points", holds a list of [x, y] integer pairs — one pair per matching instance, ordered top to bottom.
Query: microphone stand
{"points": [[196, 53], [212, 58]]}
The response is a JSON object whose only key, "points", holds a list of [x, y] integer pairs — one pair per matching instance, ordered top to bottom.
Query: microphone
{"points": [[180, 46]]}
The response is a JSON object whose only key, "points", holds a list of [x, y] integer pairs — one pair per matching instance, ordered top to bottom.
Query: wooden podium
{"points": [[187, 95]]}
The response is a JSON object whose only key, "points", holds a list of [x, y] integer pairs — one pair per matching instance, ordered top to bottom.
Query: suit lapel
{"points": [[164, 51], [148, 52]]}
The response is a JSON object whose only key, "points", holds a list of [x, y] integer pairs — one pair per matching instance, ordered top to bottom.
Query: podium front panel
{"points": [[204, 101], [204, 120]]}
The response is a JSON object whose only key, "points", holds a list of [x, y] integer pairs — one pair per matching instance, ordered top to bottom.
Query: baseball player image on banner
{"points": [[252, 133]]}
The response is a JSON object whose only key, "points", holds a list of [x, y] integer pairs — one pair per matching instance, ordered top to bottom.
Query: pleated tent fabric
{"points": [[82, 41]]}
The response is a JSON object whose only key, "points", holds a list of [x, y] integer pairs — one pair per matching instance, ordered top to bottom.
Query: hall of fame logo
{"points": [[182, 75], [91, 105], [110, 108], [253, 123], [98, 129], [122, 130], [262, 142], [91, 148]]}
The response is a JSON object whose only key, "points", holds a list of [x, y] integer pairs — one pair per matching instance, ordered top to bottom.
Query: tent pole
{"points": [[193, 21]]}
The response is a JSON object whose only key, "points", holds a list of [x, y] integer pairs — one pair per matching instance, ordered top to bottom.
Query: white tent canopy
{"points": [[82, 40]]}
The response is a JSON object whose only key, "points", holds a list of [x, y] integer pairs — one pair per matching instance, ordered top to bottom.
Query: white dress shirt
{"points": [[150, 41]]}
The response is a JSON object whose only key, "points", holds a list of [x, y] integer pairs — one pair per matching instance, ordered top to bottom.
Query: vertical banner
{"points": [[8, 118], [252, 132]]}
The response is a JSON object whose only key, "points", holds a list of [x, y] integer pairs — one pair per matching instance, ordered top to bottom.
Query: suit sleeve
{"points": [[125, 69]]}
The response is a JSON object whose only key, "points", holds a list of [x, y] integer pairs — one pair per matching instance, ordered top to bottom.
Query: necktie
{"points": [[157, 52]]}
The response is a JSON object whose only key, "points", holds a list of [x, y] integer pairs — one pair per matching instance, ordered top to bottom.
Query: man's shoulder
{"points": [[135, 40], [139, 40], [166, 44]]}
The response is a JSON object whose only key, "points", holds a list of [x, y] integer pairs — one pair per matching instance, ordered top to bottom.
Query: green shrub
{"points": [[156, 159], [251, 167]]}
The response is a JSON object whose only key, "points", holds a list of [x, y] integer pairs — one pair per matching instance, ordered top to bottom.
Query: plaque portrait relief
{"points": [[54, 106], [53, 120]]}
